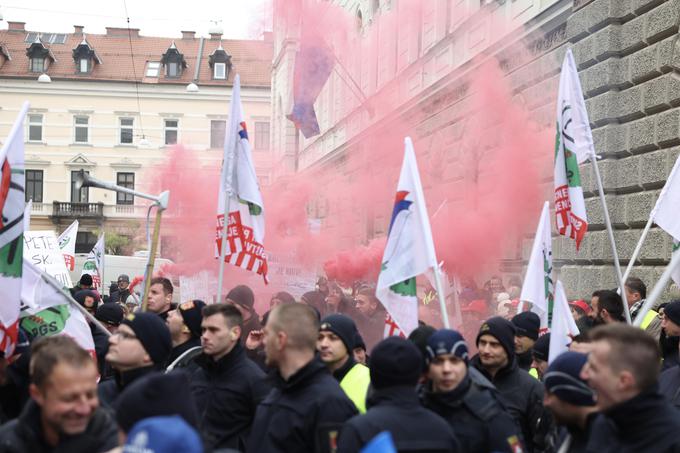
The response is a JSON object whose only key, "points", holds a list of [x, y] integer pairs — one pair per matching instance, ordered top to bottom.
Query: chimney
{"points": [[16, 26], [78, 30], [121, 31], [188, 34], [215, 36]]}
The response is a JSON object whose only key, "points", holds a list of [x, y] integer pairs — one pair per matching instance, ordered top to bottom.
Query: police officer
{"points": [[335, 345], [466, 399]]}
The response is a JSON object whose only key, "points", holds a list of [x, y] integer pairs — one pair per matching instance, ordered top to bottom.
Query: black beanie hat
{"points": [[86, 279], [243, 296], [672, 311], [111, 314], [192, 315], [527, 324], [343, 327], [502, 330], [153, 333], [359, 341], [447, 341], [541, 348], [395, 361], [563, 378], [156, 395]]}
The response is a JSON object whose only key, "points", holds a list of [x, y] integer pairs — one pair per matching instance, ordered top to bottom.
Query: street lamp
{"points": [[83, 179]]}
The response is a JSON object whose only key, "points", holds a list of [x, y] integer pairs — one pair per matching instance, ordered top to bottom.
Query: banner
{"points": [[67, 244], [41, 248], [94, 264], [563, 326]]}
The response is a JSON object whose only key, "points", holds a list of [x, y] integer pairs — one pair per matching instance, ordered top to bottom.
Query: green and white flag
{"points": [[573, 145], [12, 205], [67, 244], [409, 250], [94, 264], [538, 283], [563, 328]]}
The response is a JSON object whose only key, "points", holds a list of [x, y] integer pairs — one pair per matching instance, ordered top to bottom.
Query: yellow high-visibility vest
{"points": [[649, 317], [355, 385]]}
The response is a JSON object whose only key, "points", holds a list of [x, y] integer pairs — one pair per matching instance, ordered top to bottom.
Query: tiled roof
{"points": [[251, 59]]}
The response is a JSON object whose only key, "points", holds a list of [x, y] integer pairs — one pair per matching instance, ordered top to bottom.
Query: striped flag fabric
{"points": [[67, 244]]}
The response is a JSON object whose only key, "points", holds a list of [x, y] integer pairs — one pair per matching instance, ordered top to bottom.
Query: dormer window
{"points": [[4, 55], [39, 56], [85, 57], [174, 62], [220, 62]]}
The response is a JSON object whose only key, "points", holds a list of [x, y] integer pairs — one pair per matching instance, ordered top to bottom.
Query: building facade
{"points": [[628, 58], [114, 105]]}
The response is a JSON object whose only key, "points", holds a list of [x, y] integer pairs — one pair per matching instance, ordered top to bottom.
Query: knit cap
{"points": [[153, 333], [563, 379]]}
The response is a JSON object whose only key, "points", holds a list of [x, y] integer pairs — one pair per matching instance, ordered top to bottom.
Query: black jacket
{"points": [[192, 348], [525, 359], [669, 385], [110, 390], [227, 393], [522, 395], [397, 410], [302, 414], [476, 415], [645, 423], [25, 434], [574, 439]]}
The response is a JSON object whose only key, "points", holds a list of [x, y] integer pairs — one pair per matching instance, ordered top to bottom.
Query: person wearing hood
{"points": [[243, 298], [527, 325], [521, 394], [465, 399]]}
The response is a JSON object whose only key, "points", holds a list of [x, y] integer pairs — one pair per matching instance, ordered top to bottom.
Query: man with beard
{"points": [[607, 307]]}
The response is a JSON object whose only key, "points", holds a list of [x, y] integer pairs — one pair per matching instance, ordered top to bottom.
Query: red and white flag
{"points": [[239, 191], [67, 244], [391, 328]]}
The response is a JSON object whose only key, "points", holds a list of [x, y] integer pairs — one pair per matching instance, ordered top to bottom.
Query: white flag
{"points": [[574, 144], [12, 203], [665, 212], [27, 215], [245, 232], [67, 244], [409, 250], [94, 264], [538, 283], [47, 311], [563, 325]]}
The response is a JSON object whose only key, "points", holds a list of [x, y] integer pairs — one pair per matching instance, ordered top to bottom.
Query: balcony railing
{"points": [[80, 210]]}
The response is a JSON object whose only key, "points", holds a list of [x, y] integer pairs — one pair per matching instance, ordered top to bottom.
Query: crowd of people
{"points": [[316, 375]]}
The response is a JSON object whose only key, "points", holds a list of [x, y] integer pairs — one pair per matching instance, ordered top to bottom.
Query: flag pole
{"points": [[610, 231], [223, 247], [638, 248], [658, 289], [440, 295]]}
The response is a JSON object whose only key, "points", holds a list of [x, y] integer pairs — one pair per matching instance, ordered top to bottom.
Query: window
{"points": [[37, 64], [83, 65], [153, 68], [172, 69], [220, 71], [35, 127], [126, 128], [81, 129], [217, 130], [171, 132], [262, 135], [126, 180], [34, 185], [79, 196], [85, 241]]}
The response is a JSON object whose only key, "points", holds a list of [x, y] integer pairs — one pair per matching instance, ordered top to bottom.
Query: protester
{"points": [[85, 282], [122, 290], [636, 294], [242, 297], [281, 298], [88, 299], [315, 299], [159, 300], [337, 301], [607, 307], [579, 309], [110, 316], [369, 316], [184, 324], [527, 324], [669, 344], [141, 345], [335, 345], [359, 351], [540, 355], [623, 369], [15, 379], [669, 381], [228, 386], [520, 393], [156, 395], [465, 399], [570, 401], [394, 405], [305, 410], [63, 413], [163, 435]]}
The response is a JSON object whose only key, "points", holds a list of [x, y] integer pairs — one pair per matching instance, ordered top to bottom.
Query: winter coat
{"points": [[188, 351], [669, 385], [109, 390], [227, 393], [522, 395], [397, 410], [301, 414], [477, 416], [645, 423], [25, 434], [573, 439]]}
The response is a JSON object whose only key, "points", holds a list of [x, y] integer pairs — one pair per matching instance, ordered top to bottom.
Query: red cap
{"points": [[585, 308]]}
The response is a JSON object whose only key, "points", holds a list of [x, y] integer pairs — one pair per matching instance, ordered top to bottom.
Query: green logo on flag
{"points": [[570, 161], [11, 258], [405, 288], [48, 322]]}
